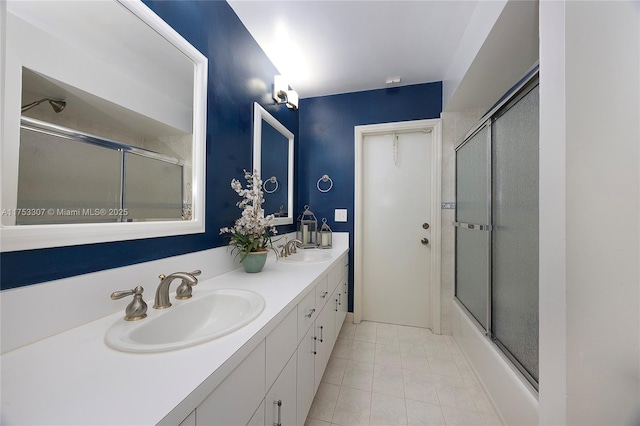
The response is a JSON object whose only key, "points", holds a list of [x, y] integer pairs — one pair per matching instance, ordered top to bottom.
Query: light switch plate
{"points": [[341, 215]]}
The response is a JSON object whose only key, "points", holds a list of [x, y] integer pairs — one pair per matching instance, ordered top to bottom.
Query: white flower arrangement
{"points": [[252, 232]]}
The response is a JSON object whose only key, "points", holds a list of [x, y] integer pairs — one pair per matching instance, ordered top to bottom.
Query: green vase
{"points": [[254, 261]]}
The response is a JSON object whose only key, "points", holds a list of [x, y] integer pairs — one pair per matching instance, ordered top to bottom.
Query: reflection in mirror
{"points": [[123, 133], [273, 159]]}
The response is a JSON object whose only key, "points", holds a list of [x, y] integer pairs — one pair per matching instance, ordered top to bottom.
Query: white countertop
{"points": [[75, 378]]}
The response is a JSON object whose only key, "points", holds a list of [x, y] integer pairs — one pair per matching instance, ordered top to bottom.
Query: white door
{"points": [[396, 209]]}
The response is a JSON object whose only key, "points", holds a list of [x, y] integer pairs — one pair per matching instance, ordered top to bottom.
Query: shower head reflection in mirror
{"points": [[125, 98], [57, 105]]}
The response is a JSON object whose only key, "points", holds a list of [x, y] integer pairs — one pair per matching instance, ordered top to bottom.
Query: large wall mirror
{"points": [[103, 125], [273, 159]]}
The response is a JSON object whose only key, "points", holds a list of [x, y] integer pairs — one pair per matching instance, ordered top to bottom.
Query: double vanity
{"points": [[245, 349]]}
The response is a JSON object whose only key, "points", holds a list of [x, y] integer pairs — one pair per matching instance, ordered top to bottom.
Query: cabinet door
{"points": [[335, 276], [322, 293], [343, 298], [307, 313], [332, 330], [325, 333], [280, 344], [306, 368], [235, 400], [281, 400]]}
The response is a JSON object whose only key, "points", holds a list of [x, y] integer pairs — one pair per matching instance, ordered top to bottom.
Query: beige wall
{"points": [[589, 213]]}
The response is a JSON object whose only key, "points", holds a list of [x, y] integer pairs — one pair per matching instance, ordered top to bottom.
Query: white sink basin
{"points": [[307, 256], [202, 318]]}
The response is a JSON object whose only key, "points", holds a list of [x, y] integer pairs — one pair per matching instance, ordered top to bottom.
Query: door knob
{"points": [[425, 225], [424, 241]]}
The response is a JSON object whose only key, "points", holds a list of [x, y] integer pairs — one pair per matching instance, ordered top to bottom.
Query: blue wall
{"points": [[239, 74], [327, 144]]}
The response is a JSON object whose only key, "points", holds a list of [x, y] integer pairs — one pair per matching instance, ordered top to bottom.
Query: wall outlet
{"points": [[341, 215]]}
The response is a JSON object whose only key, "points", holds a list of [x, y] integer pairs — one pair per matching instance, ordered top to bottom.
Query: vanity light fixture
{"points": [[282, 94]]}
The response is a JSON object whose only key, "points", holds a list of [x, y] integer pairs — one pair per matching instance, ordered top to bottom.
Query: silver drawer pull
{"points": [[324, 294], [310, 313], [321, 327], [279, 404]]}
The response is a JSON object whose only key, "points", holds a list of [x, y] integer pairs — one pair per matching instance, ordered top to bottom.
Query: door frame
{"points": [[434, 126]]}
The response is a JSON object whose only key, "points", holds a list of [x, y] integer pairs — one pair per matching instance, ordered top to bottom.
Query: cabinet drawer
{"points": [[322, 293], [306, 313], [280, 344], [235, 400]]}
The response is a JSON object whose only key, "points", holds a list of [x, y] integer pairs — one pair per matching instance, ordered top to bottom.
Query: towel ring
{"points": [[325, 178], [273, 180]]}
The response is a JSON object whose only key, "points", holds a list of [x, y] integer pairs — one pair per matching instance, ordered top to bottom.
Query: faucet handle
{"points": [[184, 290], [137, 309]]}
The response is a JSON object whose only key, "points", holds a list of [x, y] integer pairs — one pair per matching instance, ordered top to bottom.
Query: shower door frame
{"points": [[512, 97]]}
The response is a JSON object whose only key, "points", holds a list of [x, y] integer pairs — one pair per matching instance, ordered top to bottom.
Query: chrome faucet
{"points": [[289, 247], [183, 292]]}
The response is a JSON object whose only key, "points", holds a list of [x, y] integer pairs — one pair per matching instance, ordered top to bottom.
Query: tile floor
{"points": [[383, 375]]}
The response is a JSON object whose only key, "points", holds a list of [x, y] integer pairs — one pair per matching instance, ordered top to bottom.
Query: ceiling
{"points": [[329, 47]]}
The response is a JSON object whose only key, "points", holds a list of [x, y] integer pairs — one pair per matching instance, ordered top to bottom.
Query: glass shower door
{"points": [[472, 230], [514, 294]]}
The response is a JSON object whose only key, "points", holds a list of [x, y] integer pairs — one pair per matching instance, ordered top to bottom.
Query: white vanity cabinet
{"points": [[315, 347], [228, 381], [277, 382], [235, 400]]}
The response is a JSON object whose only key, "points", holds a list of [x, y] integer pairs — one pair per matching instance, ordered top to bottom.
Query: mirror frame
{"points": [[260, 114], [26, 237]]}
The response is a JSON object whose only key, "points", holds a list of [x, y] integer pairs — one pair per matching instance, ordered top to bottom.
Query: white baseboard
{"points": [[349, 318]]}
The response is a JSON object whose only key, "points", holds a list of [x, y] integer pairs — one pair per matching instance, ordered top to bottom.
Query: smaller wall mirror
{"points": [[273, 159]]}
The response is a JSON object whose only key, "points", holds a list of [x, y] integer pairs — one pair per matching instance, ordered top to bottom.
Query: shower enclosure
{"points": [[66, 176], [496, 227]]}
